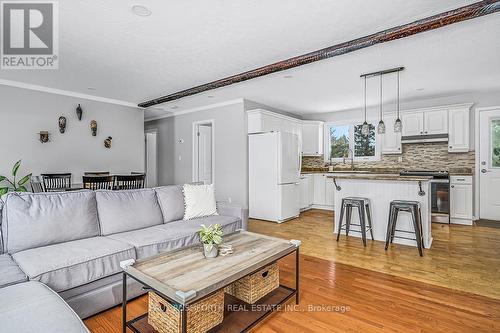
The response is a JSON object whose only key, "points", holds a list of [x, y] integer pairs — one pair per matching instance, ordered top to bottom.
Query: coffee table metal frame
{"points": [[183, 308]]}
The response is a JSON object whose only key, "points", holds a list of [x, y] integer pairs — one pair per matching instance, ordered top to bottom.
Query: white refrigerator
{"points": [[274, 171]]}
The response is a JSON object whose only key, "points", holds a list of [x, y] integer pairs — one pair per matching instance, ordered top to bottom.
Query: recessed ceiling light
{"points": [[141, 10], [288, 76], [91, 88], [210, 96], [174, 107]]}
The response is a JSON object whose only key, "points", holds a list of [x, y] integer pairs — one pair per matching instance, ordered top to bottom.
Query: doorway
{"points": [[203, 152], [151, 157], [489, 164]]}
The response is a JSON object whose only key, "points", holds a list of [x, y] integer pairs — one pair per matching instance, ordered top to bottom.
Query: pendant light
{"points": [[381, 125], [398, 125], [365, 129]]}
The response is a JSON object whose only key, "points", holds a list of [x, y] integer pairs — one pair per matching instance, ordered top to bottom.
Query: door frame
{"points": [[146, 131], [477, 141], [194, 164]]}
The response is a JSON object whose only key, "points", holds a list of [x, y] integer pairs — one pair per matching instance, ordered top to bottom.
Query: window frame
{"points": [[351, 125]]}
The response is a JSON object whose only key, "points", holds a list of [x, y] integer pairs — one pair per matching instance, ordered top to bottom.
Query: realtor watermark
{"points": [[29, 35]]}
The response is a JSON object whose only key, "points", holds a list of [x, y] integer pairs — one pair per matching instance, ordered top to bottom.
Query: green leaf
{"points": [[15, 168], [2, 178], [24, 180], [21, 189], [3, 190]]}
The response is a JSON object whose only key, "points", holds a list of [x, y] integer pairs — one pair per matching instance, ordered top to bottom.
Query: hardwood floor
{"points": [[462, 257], [348, 288], [342, 298]]}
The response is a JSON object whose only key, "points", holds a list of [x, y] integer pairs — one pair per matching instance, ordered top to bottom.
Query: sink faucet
{"points": [[349, 151]]}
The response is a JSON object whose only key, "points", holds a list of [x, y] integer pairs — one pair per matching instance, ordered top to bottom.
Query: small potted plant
{"points": [[14, 185], [211, 238]]}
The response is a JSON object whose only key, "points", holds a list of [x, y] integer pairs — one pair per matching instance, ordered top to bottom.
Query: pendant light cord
{"points": [[398, 94], [365, 99], [381, 113]]}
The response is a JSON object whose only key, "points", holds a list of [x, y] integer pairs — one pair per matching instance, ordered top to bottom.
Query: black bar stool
{"points": [[363, 205], [413, 207]]}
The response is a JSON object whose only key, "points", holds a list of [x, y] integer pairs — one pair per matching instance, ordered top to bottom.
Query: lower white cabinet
{"points": [[306, 191], [323, 192], [461, 200]]}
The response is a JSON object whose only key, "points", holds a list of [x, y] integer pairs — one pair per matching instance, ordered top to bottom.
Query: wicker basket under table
{"points": [[253, 287], [201, 316]]}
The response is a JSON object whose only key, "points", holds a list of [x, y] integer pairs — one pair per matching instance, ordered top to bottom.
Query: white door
{"points": [[436, 122], [458, 122], [413, 123], [391, 141], [203, 153], [288, 158], [151, 159], [489, 176]]}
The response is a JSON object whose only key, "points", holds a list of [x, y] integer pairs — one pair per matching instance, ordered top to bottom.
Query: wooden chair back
{"points": [[53, 182], [98, 182], [129, 182], [36, 184]]}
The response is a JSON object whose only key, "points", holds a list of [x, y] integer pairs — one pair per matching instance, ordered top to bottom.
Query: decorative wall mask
{"points": [[79, 112], [62, 124], [93, 127], [44, 136], [107, 142]]}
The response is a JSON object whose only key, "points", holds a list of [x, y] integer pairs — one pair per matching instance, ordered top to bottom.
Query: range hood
{"points": [[425, 138]]}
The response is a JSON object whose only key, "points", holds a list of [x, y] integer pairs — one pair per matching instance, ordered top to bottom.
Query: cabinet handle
{"points": [[425, 132], [451, 147], [452, 186]]}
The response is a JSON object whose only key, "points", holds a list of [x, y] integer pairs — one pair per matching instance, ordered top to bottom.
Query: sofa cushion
{"points": [[171, 200], [127, 210], [31, 220], [173, 235], [67, 265], [10, 273], [32, 307]]}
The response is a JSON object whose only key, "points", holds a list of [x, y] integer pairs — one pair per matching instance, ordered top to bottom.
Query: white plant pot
{"points": [[210, 252]]}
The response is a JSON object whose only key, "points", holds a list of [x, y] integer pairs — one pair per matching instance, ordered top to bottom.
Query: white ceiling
{"points": [[187, 43]]}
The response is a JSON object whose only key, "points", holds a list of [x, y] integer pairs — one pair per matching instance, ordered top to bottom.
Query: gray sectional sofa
{"points": [[73, 242]]}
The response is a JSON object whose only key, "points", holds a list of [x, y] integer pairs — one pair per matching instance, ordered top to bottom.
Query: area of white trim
{"points": [[69, 93], [196, 109]]}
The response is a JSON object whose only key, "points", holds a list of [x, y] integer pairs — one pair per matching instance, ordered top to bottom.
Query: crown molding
{"points": [[48, 90], [196, 109]]}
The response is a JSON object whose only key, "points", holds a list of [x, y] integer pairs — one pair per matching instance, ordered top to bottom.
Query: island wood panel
{"points": [[381, 191], [464, 258], [187, 269], [342, 298]]}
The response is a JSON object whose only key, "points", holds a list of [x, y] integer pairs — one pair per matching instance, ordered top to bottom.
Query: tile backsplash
{"points": [[421, 156]]}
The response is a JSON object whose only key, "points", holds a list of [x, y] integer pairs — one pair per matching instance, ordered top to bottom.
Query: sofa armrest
{"points": [[227, 209]]}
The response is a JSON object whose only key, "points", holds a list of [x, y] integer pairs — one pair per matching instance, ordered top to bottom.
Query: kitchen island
{"points": [[381, 189]]}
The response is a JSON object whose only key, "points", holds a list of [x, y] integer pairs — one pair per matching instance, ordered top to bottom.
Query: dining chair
{"points": [[98, 173], [53, 182], [98, 182], [129, 182], [36, 184]]}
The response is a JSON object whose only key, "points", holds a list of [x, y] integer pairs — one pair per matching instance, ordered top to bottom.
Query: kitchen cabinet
{"points": [[259, 121], [428, 122], [312, 137], [458, 137], [390, 140], [306, 192], [324, 192], [461, 200]]}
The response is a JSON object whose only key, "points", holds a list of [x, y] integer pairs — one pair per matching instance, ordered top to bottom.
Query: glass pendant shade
{"points": [[398, 126], [381, 127], [365, 129]]}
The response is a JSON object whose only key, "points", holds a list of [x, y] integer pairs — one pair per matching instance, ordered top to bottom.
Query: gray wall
{"points": [[24, 113], [231, 146]]}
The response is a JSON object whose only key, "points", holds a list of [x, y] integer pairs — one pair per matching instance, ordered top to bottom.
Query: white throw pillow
{"points": [[199, 201]]}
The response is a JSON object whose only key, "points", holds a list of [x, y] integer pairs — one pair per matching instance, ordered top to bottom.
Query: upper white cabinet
{"points": [[260, 121], [425, 122], [312, 137], [459, 137], [391, 141]]}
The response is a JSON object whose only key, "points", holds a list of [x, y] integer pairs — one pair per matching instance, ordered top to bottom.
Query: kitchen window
{"points": [[342, 137]]}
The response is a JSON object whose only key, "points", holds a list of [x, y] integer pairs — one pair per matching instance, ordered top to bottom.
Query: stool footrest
{"points": [[400, 237]]}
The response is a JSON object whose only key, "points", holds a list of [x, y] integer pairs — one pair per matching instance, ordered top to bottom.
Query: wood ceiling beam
{"points": [[474, 10]]}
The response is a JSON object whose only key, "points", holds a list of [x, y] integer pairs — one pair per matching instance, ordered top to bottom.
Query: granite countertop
{"points": [[378, 171], [378, 176]]}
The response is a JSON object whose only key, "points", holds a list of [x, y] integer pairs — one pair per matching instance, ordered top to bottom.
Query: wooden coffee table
{"points": [[184, 276]]}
